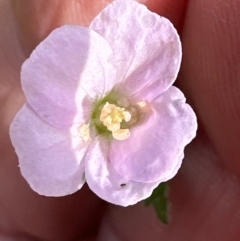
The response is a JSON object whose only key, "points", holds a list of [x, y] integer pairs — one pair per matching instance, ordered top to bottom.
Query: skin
{"points": [[204, 195]]}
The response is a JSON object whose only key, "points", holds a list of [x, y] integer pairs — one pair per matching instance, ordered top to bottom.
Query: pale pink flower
{"points": [[101, 107]]}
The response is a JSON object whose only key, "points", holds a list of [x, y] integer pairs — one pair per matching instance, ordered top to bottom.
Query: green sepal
{"points": [[159, 199]]}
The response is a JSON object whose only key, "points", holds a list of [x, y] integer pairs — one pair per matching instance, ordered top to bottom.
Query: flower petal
{"points": [[146, 46], [71, 66], [154, 150], [47, 158], [108, 184]]}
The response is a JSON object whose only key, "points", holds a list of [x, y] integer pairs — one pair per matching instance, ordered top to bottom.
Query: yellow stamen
{"points": [[142, 104], [112, 117], [84, 132], [121, 134]]}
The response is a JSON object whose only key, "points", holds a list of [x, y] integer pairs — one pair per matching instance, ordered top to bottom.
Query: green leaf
{"points": [[159, 199]]}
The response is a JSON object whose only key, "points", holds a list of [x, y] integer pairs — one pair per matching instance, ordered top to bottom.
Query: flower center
{"points": [[112, 116]]}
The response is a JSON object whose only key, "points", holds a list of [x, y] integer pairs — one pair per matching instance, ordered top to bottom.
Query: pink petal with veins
{"points": [[146, 46], [72, 66], [153, 150], [47, 158], [107, 183]]}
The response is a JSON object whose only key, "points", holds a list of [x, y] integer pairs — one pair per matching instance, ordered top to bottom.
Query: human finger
{"points": [[211, 72]]}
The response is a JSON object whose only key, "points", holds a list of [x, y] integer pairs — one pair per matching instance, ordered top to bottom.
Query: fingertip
{"points": [[171, 9], [36, 19], [210, 72], [135, 223]]}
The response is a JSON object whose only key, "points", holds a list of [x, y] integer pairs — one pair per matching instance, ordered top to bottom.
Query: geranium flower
{"points": [[101, 107]]}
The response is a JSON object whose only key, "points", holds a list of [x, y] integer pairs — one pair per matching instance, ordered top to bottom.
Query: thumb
{"points": [[24, 212]]}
